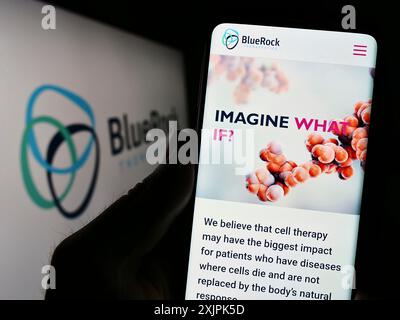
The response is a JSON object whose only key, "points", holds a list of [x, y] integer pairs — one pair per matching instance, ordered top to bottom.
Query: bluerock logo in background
{"points": [[230, 38], [63, 135]]}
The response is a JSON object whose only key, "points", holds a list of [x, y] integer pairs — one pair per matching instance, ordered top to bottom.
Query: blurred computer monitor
{"points": [[76, 103]]}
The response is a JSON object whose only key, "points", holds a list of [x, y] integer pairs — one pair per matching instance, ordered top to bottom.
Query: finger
{"points": [[134, 223]]}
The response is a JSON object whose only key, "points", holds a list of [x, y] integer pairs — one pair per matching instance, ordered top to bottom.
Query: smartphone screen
{"points": [[283, 151]]}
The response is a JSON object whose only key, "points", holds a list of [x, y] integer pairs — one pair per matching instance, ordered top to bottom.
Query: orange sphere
{"points": [[352, 121], [360, 133], [314, 138], [327, 154], [341, 155], [273, 167], [314, 170], [346, 172], [300, 174], [290, 181], [262, 193], [274, 193]]}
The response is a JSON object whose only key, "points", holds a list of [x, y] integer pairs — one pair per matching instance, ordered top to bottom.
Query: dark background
{"points": [[187, 27]]}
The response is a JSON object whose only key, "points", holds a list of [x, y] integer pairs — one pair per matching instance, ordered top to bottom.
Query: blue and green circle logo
{"points": [[230, 38], [64, 133]]}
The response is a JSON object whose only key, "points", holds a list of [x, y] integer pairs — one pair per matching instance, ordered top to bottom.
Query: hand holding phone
{"points": [[284, 140]]}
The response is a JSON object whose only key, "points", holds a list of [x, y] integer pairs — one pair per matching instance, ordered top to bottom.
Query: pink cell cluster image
{"points": [[248, 74], [279, 175]]}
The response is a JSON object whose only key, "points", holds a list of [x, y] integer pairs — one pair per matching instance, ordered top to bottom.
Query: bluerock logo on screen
{"points": [[230, 38], [63, 135]]}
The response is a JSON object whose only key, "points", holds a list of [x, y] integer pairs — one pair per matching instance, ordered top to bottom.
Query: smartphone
{"points": [[284, 132]]}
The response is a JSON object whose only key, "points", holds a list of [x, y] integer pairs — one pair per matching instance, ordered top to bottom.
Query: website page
{"points": [[282, 163]]}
